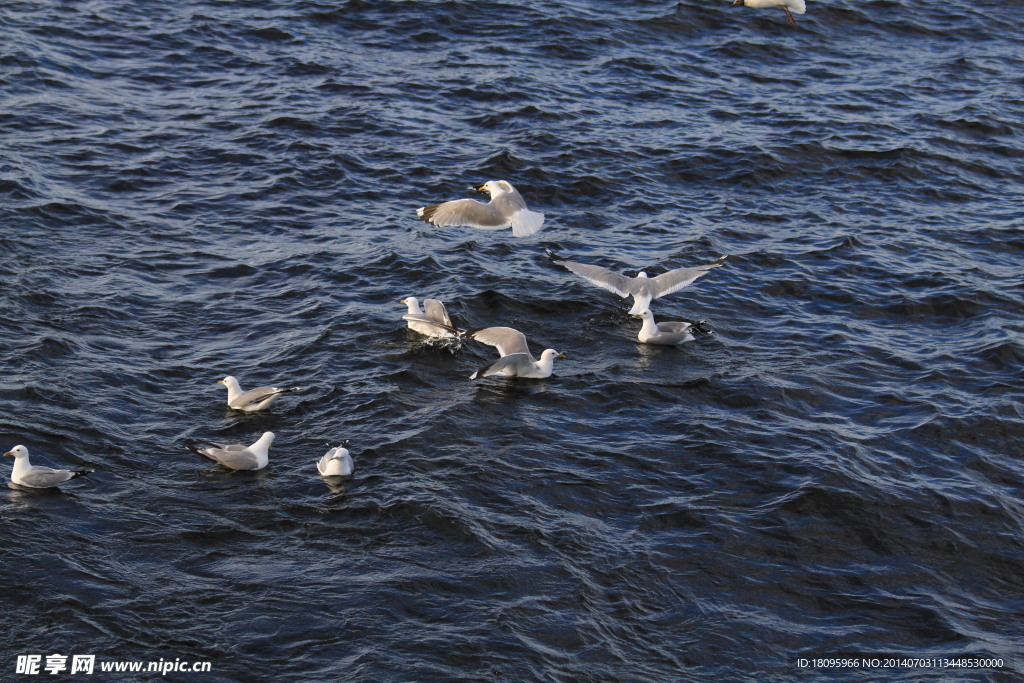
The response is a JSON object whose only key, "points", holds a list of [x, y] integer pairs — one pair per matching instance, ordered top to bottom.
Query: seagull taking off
{"points": [[507, 209], [642, 288], [432, 322], [516, 359]]}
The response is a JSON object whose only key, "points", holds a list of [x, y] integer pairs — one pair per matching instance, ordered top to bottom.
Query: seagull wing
{"points": [[465, 212], [602, 277], [674, 280], [436, 311], [412, 317], [674, 327], [505, 339], [516, 362], [257, 396], [236, 457], [45, 477]]}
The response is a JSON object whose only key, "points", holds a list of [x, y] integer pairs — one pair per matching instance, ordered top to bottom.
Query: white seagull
{"points": [[790, 6], [506, 209], [642, 288], [433, 322], [667, 333], [516, 359], [254, 399], [237, 456], [336, 462], [25, 473]]}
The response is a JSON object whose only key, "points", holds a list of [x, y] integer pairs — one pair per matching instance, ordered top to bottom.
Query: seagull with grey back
{"points": [[507, 209], [643, 289], [432, 320], [666, 333], [516, 359], [254, 399], [237, 456], [24, 473]]}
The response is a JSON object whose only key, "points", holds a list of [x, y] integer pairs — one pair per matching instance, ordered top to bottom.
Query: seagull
{"points": [[788, 5], [506, 209], [642, 288], [433, 323], [667, 333], [516, 360], [254, 399], [237, 456], [336, 462], [25, 473]]}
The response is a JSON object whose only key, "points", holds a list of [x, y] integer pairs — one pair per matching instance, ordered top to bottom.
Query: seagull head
{"points": [[495, 187], [644, 315], [17, 451]]}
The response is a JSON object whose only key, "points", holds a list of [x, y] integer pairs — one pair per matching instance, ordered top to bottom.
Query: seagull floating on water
{"points": [[789, 6], [506, 209], [642, 288], [433, 322], [666, 333], [516, 359], [254, 399], [237, 456], [336, 462], [25, 473]]}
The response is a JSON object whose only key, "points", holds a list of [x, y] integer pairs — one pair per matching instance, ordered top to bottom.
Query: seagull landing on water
{"points": [[790, 6], [507, 209], [642, 288], [432, 322], [666, 333], [516, 359], [254, 399], [237, 456], [25, 473]]}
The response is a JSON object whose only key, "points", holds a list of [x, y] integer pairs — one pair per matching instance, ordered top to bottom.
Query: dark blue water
{"points": [[195, 189]]}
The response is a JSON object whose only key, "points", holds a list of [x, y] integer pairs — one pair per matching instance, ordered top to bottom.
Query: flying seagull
{"points": [[790, 6], [507, 209], [642, 288]]}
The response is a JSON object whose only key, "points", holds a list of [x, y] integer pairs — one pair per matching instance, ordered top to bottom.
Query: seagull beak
{"points": [[736, 2], [480, 188], [561, 355], [220, 381], [9, 453]]}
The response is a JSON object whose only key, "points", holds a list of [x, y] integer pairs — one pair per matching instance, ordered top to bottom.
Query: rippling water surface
{"points": [[195, 189]]}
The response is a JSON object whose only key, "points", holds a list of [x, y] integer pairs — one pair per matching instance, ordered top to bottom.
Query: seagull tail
{"points": [[526, 222], [701, 327], [75, 474]]}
